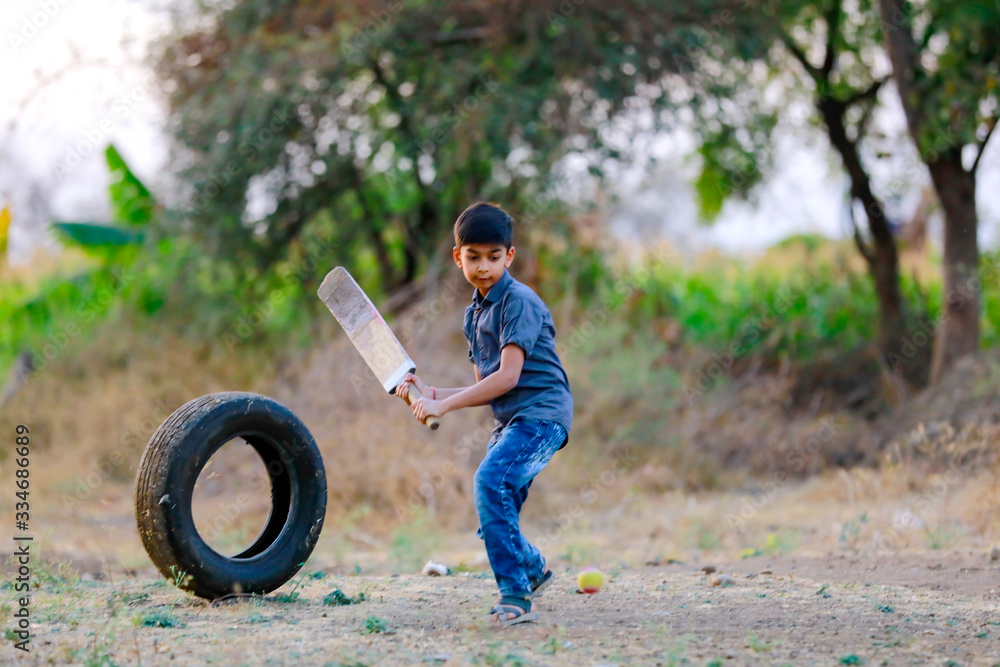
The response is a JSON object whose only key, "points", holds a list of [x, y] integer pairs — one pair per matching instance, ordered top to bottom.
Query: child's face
{"points": [[483, 264]]}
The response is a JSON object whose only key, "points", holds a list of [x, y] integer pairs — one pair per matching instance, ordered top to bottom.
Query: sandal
{"points": [[541, 584], [509, 604]]}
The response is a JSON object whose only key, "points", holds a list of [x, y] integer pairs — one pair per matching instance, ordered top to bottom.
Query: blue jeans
{"points": [[515, 454]]}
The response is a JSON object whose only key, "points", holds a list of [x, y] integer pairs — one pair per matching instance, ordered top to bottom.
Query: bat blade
{"points": [[366, 328]]}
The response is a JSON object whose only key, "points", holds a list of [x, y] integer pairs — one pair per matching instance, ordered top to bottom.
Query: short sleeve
{"points": [[520, 323], [467, 330]]}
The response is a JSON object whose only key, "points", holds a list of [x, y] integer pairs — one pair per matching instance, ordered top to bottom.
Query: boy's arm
{"points": [[443, 392], [481, 393]]}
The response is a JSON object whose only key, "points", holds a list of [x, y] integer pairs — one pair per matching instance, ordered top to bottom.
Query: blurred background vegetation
{"points": [[306, 134]]}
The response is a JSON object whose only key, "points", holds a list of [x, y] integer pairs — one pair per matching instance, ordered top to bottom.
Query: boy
{"points": [[512, 346]]}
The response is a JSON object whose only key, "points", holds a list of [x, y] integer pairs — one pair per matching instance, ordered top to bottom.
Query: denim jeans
{"points": [[515, 454]]}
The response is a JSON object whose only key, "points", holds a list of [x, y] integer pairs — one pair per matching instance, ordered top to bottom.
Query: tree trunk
{"points": [[883, 257], [884, 270], [958, 330]]}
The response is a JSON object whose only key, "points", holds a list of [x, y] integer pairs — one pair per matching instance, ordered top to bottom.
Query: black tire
{"points": [[170, 466]]}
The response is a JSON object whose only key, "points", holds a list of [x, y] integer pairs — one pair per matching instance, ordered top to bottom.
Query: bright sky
{"points": [[93, 52]]}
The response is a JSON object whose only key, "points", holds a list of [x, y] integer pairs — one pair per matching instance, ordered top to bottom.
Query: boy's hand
{"points": [[415, 380], [426, 407]]}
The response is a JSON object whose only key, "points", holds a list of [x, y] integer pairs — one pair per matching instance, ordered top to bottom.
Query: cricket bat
{"points": [[370, 334]]}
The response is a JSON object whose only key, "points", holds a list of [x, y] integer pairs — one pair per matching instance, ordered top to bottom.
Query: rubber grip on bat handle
{"points": [[412, 394]]}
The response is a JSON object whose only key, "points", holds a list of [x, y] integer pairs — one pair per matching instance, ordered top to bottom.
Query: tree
{"points": [[823, 52], [946, 64], [840, 89], [369, 124], [374, 125]]}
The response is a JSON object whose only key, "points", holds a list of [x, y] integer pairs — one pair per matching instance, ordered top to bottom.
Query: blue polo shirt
{"points": [[511, 312]]}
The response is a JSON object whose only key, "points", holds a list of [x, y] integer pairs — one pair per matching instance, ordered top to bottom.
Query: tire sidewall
{"points": [[243, 415]]}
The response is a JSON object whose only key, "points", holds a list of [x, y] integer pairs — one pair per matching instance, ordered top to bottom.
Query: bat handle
{"points": [[412, 394]]}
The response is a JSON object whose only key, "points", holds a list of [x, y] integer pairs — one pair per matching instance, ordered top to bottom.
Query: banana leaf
{"points": [[131, 201], [90, 235]]}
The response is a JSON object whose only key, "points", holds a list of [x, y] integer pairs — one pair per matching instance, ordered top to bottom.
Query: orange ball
{"points": [[590, 580]]}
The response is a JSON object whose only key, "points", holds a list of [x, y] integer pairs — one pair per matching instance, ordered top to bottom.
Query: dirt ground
{"points": [[917, 608]]}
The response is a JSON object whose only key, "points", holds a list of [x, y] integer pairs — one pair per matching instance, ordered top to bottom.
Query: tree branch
{"points": [[832, 31], [902, 49], [800, 55], [868, 93], [862, 127], [982, 146], [859, 241]]}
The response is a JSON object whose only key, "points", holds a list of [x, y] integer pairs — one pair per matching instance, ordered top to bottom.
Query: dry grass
{"points": [[43, 264], [92, 411], [645, 480]]}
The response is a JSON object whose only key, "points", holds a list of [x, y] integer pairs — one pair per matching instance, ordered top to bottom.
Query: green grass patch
{"points": [[337, 598], [159, 619], [374, 625]]}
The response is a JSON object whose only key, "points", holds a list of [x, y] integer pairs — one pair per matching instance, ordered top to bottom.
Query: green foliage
{"points": [[955, 86], [377, 139], [728, 169], [131, 201], [132, 206], [89, 235], [807, 242], [206, 299], [989, 299], [813, 308], [752, 310], [47, 319], [43, 320], [659, 329], [180, 577], [292, 596], [337, 598], [159, 619], [374, 625]]}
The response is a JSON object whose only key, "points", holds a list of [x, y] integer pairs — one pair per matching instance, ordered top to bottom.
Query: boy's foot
{"points": [[540, 585], [510, 609]]}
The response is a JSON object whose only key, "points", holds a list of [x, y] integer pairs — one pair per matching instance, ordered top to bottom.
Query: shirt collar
{"points": [[495, 292]]}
